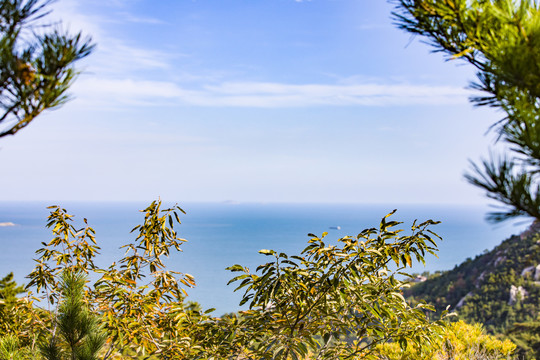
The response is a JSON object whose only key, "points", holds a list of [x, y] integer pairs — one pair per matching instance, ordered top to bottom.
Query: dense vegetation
{"points": [[479, 289], [498, 289], [337, 299], [460, 342]]}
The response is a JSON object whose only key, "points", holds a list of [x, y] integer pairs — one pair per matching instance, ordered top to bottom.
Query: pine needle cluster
{"points": [[501, 39], [76, 334]]}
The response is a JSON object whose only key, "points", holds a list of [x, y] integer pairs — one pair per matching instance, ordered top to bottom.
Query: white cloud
{"points": [[67, 12], [140, 20], [112, 55], [115, 57], [119, 74], [116, 92]]}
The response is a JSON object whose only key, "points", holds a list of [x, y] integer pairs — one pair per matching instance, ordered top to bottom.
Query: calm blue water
{"points": [[220, 235]]}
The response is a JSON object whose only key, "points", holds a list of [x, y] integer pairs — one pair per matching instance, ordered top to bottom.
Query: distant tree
{"points": [[501, 38], [36, 63], [9, 290], [8, 298], [21, 324], [527, 337], [460, 341]]}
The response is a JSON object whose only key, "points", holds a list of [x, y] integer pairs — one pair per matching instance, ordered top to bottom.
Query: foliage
{"points": [[501, 39], [37, 66], [70, 250], [481, 286], [479, 289], [9, 290], [8, 297], [333, 301], [337, 301], [18, 316], [148, 316], [76, 334], [527, 337], [461, 341], [11, 348]]}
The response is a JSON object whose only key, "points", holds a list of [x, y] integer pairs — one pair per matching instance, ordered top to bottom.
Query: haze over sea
{"points": [[223, 234]]}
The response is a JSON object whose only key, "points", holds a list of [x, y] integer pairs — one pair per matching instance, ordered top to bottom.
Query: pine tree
{"points": [[501, 39], [36, 66], [9, 290], [8, 297], [76, 334], [527, 337], [10, 348]]}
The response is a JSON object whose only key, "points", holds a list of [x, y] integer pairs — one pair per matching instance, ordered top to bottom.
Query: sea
{"points": [[223, 234]]}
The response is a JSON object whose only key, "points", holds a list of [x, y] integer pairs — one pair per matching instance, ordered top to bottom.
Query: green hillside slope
{"points": [[498, 288]]}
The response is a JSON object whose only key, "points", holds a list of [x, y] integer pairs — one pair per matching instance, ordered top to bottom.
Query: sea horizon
{"points": [[221, 234]]}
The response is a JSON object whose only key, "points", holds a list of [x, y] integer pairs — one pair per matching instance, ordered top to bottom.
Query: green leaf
{"points": [[235, 267]]}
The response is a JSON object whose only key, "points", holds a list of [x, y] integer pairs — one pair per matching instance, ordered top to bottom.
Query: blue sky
{"points": [[259, 100]]}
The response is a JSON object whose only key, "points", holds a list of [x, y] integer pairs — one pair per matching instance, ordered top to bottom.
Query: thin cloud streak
{"points": [[139, 19], [112, 55], [116, 57], [112, 79], [132, 92]]}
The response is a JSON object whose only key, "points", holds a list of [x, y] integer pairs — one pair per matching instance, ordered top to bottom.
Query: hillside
{"points": [[499, 288]]}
